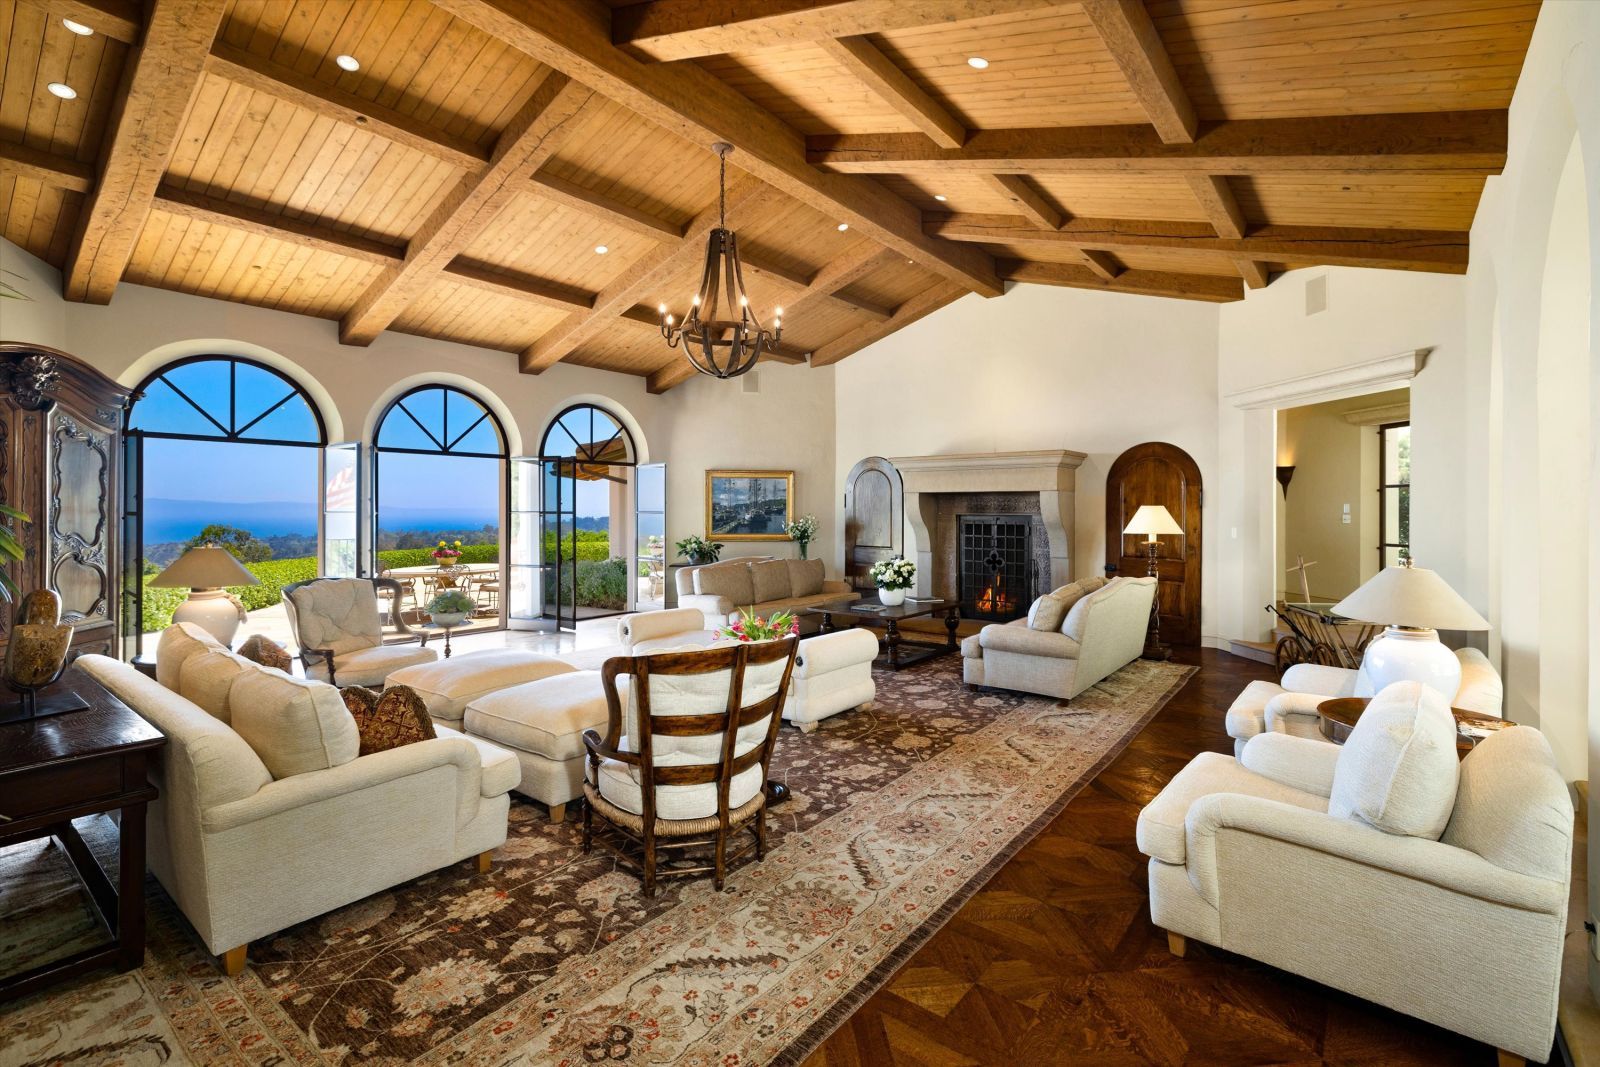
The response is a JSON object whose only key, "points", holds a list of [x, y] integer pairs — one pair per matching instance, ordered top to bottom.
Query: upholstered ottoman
{"points": [[832, 673], [449, 685], [542, 723]]}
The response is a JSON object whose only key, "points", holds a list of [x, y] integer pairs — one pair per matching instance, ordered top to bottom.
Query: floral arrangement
{"points": [[802, 532], [655, 546], [698, 550], [446, 553], [897, 573], [451, 602], [748, 627]]}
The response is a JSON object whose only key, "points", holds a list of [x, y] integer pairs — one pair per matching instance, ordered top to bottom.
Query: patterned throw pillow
{"points": [[1048, 613], [267, 652], [396, 718]]}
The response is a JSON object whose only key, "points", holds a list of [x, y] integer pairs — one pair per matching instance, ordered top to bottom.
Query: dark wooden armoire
{"points": [[60, 461]]}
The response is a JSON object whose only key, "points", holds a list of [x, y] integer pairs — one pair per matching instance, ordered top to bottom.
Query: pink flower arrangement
{"points": [[750, 627]]}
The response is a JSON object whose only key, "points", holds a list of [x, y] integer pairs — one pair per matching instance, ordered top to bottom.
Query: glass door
{"points": [[341, 497], [650, 535], [132, 547], [522, 555], [558, 572]]}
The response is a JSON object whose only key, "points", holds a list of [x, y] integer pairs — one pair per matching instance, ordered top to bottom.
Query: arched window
{"points": [[587, 433], [223, 442], [440, 473]]}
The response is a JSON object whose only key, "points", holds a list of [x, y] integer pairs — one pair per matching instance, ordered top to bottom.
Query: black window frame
{"points": [[1384, 544]]}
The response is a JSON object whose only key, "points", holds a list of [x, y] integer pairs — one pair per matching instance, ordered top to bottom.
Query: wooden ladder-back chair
{"points": [[685, 756]]}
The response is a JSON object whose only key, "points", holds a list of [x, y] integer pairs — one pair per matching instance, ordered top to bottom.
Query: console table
{"points": [[63, 767]]}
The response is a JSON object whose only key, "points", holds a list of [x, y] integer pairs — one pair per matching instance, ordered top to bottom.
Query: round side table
{"points": [[1337, 717]]}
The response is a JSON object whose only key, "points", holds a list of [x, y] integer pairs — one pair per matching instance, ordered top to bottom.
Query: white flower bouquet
{"points": [[897, 573]]}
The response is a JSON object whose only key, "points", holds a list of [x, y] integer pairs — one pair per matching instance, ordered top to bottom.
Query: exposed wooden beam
{"points": [[120, 20], [686, 29], [574, 36], [1132, 40], [877, 72], [331, 102], [150, 105], [528, 140], [1464, 141], [25, 161], [1027, 199], [176, 200], [1218, 202], [628, 217], [1425, 250], [1103, 264], [774, 272], [1254, 273], [794, 280], [641, 281], [519, 286], [1208, 287], [920, 306]]}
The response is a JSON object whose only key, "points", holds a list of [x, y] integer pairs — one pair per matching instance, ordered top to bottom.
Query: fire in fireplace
{"points": [[996, 565]]}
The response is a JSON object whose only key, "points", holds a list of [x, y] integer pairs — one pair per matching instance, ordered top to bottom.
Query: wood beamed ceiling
{"points": [[459, 183]]}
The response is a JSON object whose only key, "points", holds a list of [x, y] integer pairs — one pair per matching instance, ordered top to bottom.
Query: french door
{"points": [[558, 544]]}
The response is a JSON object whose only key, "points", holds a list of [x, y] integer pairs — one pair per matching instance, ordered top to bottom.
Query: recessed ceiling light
{"points": [[77, 27], [347, 63], [977, 63], [64, 91], [940, 197], [843, 226], [601, 249]]}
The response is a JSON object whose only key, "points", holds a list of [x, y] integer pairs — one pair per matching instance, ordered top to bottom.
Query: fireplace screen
{"points": [[996, 565]]}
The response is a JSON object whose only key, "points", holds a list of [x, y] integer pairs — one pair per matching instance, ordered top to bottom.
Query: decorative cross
{"points": [[1301, 565]]}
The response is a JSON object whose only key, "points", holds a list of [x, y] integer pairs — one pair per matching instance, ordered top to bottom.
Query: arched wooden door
{"points": [[1159, 473], [874, 518]]}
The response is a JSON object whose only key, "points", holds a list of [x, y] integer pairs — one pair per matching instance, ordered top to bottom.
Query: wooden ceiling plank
{"points": [[120, 20], [688, 29], [575, 36], [1134, 42], [878, 73], [288, 84], [151, 103], [533, 136], [1459, 141], [24, 161], [572, 195], [176, 200], [1029, 201], [1220, 205], [1424, 250], [1104, 264], [774, 272], [1254, 273], [640, 280], [519, 286], [1208, 287], [920, 306]]}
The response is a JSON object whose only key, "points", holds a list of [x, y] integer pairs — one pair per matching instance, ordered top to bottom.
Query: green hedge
{"points": [[592, 546], [419, 557], [601, 584]]}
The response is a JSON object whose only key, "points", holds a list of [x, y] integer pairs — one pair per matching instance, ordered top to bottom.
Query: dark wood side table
{"points": [[1337, 717], [66, 766]]}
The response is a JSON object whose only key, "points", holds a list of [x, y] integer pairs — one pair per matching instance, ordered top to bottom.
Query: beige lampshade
{"points": [[1153, 520], [206, 567], [1410, 596]]}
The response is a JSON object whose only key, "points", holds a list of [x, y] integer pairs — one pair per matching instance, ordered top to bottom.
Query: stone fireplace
{"points": [[992, 531]]}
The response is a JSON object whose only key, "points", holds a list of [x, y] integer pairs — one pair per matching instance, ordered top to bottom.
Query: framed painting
{"points": [[749, 505]]}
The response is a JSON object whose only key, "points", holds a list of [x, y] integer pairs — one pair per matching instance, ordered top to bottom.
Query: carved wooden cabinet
{"points": [[60, 459]]}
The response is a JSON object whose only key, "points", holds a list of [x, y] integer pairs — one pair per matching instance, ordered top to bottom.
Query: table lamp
{"points": [[1153, 520], [205, 571], [1414, 604]]}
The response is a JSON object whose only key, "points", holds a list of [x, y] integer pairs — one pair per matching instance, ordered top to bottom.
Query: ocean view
{"points": [[179, 520]]}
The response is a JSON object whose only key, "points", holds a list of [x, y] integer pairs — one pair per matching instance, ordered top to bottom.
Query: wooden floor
{"points": [[1056, 961]]}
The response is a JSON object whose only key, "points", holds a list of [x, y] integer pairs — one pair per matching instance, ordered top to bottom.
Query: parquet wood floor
{"points": [[1056, 961]]}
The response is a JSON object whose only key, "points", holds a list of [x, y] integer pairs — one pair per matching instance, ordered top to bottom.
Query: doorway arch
{"points": [[1159, 473]]}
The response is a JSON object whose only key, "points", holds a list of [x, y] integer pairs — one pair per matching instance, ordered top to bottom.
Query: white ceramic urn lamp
{"points": [[206, 572], [1413, 604]]}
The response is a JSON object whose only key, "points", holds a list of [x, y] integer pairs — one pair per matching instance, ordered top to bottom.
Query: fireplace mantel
{"points": [[1051, 473]]}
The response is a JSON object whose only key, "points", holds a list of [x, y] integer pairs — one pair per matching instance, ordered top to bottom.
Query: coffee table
{"points": [[872, 614], [1337, 717]]}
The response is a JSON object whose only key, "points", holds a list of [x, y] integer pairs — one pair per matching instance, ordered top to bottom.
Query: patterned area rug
{"points": [[900, 812]]}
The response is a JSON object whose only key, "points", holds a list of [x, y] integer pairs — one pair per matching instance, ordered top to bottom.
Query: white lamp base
{"points": [[216, 611], [1402, 655]]}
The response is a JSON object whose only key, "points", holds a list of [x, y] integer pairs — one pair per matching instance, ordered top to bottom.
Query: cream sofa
{"points": [[720, 591], [1104, 632], [1290, 707], [268, 817], [1382, 868]]}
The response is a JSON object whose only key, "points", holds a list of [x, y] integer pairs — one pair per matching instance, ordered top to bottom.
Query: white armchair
{"points": [[340, 633], [1290, 706], [1381, 868]]}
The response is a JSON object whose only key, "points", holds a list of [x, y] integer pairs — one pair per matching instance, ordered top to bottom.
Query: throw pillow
{"points": [[805, 576], [770, 581], [1048, 613], [267, 652], [398, 717], [1399, 769]]}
